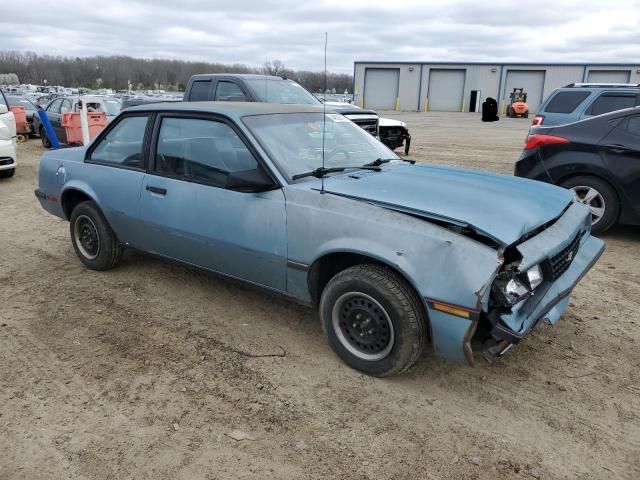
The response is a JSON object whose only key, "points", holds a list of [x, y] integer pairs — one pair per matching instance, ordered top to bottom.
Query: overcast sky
{"points": [[253, 31]]}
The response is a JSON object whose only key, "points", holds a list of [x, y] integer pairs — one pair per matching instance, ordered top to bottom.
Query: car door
{"points": [[229, 91], [53, 114], [621, 152], [119, 160], [189, 214]]}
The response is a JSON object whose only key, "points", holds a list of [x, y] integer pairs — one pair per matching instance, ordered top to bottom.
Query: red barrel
{"points": [[71, 123]]}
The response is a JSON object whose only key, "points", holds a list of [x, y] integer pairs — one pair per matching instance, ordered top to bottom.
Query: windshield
{"points": [[281, 91], [21, 102], [294, 141]]}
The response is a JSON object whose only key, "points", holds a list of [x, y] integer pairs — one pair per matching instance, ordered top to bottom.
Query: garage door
{"points": [[608, 76], [533, 83], [381, 88], [445, 90]]}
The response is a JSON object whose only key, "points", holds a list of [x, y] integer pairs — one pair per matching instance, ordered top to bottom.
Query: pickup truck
{"points": [[272, 89]]}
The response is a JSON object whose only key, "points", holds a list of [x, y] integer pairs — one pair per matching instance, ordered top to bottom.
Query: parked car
{"points": [[264, 88], [578, 101], [29, 107], [57, 107], [7, 139], [597, 158], [394, 254]]}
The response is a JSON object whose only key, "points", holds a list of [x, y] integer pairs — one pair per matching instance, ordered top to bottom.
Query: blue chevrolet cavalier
{"points": [[395, 255]]}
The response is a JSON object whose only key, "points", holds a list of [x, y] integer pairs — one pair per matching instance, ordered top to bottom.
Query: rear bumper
{"points": [[529, 165]]}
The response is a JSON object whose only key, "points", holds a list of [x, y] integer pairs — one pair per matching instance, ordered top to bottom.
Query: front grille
{"points": [[369, 126], [561, 261]]}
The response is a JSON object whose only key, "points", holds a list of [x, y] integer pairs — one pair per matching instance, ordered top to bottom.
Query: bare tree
{"points": [[274, 67]]}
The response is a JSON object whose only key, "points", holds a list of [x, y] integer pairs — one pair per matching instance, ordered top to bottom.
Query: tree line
{"points": [[118, 70]]}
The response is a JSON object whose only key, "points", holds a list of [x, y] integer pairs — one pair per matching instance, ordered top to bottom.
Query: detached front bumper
{"points": [[568, 241]]}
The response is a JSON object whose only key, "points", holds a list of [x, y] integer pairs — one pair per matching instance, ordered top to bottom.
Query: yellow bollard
{"points": [[463, 102], [397, 104], [426, 104]]}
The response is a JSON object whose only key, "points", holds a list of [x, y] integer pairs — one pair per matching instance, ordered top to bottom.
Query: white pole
{"points": [[84, 124]]}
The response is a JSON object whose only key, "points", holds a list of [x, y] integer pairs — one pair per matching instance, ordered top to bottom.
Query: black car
{"points": [[598, 158]]}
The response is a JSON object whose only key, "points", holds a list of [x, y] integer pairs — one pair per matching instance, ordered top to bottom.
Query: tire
{"points": [[526, 114], [45, 140], [7, 173], [606, 198], [93, 240], [381, 297]]}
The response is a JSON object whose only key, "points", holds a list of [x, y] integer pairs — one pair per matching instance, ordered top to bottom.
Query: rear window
{"points": [[200, 90], [566, 102], [608, 102]]}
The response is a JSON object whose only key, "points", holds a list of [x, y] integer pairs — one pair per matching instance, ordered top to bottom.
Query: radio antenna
{"points": [[324, 110]]}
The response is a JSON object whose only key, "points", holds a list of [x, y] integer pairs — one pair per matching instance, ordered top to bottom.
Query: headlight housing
{"points": [[512, 287]]}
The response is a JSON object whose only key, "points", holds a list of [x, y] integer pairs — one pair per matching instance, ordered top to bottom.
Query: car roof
{"points": [[246, 76], [229, 109]]}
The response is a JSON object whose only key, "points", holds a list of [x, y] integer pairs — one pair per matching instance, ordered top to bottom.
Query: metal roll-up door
{"points": [[608, 76], [533, 83], [446, 87], [381, 88]]}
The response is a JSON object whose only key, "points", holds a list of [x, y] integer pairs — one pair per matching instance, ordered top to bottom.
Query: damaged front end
{"points": [[395, 134], [536, 280]]}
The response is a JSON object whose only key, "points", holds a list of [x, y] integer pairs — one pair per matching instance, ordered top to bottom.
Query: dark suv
{"points": [[578, 101]]}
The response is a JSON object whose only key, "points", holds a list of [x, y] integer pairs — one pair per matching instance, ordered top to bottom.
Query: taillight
{"points": [[537, 120], [539, 140]]}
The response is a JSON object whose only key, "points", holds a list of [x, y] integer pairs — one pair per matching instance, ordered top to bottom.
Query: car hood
{"points": [[390, 122], [502, 207]]}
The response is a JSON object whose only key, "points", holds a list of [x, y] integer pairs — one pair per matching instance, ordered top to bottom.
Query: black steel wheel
{"points": [[93, 240], [373, 319]]}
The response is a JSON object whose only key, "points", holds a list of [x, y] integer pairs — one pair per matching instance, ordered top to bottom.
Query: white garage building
{"points": [[462, 87]]}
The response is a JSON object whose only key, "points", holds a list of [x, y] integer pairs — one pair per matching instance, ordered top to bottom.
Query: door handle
{"points": [[618, 148], [158, 190]]}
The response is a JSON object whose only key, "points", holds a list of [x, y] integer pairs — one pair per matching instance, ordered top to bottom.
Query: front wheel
{"points": [[599, 197], [93, 240], [373, 320]]}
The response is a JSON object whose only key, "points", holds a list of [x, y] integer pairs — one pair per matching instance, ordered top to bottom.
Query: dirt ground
{"points": [[136, 373]]}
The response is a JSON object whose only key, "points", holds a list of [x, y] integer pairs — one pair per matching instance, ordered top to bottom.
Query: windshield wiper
{"points": [[379, 161], [321, 171]]}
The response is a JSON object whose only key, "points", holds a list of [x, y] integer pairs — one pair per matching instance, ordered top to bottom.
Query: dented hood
{"points": [[500, 206]]}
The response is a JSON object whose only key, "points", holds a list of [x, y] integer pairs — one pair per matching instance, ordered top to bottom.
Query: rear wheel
{"points": [[526, 114], [599, 197], [93, 240], [373, 320]]}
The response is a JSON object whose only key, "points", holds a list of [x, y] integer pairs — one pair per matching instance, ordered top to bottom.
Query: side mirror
{"points": [[3, 108], [255, 180]]}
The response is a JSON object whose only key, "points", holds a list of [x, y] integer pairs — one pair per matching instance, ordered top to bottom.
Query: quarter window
{"points": [[200, 90], [228, 92], [566, 102], [608, 102], [633, 125], [123, 144], [201, 150]]}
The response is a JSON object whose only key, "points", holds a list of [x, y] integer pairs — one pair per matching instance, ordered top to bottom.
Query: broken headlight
{"points": [[511, 287]]}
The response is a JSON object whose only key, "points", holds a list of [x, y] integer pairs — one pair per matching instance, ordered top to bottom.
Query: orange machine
{"points": [[518, 104], [22, 127]]}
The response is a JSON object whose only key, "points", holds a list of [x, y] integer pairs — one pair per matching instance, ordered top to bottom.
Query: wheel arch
{"points": [[603, 178], [71, 197], [325, 267]]}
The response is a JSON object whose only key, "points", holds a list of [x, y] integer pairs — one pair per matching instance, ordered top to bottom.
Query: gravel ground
{"points": [[138, 372]]}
